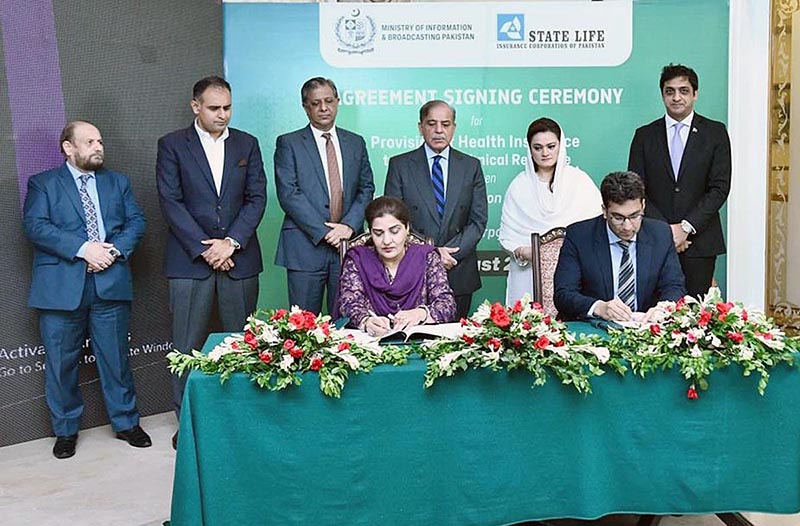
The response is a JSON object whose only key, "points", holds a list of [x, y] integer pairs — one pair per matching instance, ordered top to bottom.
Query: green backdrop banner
{"points": [[592, 66]]}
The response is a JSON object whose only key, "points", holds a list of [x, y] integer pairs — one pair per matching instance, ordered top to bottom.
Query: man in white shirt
{"points": [[685, 162], [324, 183], [212, 190]]}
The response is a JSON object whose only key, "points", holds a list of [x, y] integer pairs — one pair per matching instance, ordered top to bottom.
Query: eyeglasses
{"points": [[619, 220]]}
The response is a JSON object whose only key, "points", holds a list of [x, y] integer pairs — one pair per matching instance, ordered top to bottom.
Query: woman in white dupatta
{"points": [[549, 193]]}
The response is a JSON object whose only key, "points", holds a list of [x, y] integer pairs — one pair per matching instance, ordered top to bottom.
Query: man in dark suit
{"points": [[685, 161], [324, 183], [213, 193], [446, 193], [84, 224], [619, 263]]}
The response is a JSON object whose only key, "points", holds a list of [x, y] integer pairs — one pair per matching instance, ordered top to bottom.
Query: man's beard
{"points": [[89, 163]]}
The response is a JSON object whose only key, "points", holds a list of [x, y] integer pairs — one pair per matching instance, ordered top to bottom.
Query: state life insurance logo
{"points": [[510, 27], [355, 33]]}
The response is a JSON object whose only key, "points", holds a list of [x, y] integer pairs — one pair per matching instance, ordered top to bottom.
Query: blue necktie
{"points": [[676, 149], [437, 177], [92, 229], [626, 289]]}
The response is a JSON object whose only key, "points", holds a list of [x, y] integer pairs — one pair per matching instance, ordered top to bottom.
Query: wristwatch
{"points": [[687, 227], [236, 245], [114, 252]]}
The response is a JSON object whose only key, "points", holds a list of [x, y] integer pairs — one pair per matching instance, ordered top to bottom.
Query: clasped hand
{"points": [[337, 232], [218, 254], [98, 256], [447, 260], [617, 310]]}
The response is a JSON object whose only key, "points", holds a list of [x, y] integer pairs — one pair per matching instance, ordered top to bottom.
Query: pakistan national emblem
{"points": [[355, 32]]}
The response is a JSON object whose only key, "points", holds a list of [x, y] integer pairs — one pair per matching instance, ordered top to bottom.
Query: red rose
{"points": [[680, 304], [537, 306], [517, 307], [724, 308], [279, 314], [499, 315], [744, 315], [705, 317], [297, 320], [310, 320], [547, 320], [463, 322], [476, 323], [526, 325], [655, 329], [765, 335], [735, 336], [250, 339], [469, 340], [517, 342], [542, 342], [560, 343], [288, 344], [494, 344], [235, 346], [344, 346], [296, 352], [265, 357], [316, 364], [691, 393]]}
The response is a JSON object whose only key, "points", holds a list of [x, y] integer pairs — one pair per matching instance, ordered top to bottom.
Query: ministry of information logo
{"points": [[510, 27], [355, 32]]}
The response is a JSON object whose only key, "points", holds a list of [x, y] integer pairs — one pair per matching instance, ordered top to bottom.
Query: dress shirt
{"points": [[684, 135], [215, 153], [323, 153], [444, 162], [91, 189], [616, 262]]}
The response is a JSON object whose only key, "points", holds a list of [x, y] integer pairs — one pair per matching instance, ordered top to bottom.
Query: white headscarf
{"points": [[529, 206]]}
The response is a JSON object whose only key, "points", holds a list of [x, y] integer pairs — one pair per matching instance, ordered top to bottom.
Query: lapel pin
{"points": [[694, 130]]}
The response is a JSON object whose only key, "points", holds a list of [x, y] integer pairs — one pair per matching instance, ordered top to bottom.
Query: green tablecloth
{"points": [[482, 448]]}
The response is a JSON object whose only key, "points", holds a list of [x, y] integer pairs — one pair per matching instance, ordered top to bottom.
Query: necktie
{"points": [[676, 148], [437, 177], [334, 180], [92, 230], [626, 289]]}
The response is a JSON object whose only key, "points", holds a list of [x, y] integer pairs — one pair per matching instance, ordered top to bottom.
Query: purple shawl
{"points": [[405, 292]]}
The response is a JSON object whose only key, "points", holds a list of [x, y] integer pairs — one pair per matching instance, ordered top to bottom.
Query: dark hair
{"points": [[671, 71], [317, 82], [203, 84], [426, 108], [543, 124], [68, 133], [620, 187], [386, 205]]}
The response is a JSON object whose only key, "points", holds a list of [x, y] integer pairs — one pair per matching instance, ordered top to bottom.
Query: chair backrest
{"points": [[366, 239], [544, 251]]}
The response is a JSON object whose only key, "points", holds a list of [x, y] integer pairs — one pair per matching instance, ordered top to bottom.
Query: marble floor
{"points": [[109, 483]]}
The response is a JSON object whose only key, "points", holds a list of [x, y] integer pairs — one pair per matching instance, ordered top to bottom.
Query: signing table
{"points": [[482, 448]]}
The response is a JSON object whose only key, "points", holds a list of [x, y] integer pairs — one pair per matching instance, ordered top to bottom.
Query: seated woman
{"points": [[548, 194], [390, 282]]}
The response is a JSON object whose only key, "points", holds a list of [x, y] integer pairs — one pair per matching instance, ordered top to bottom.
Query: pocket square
{"points": [[242, 163]]}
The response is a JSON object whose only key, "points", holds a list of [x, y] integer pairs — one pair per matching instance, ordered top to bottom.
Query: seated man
{"points": [[619, 263], [392, 283]]}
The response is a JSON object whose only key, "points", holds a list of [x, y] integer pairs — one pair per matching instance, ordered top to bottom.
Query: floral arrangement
{"points": [[701, 336], [519, 337], [279, 346]]}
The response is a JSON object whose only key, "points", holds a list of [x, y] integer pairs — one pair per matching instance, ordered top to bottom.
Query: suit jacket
{"points": [[703, 184], [303, 194], [193, 211], [465, 211], [54, 221], [584, 273]]}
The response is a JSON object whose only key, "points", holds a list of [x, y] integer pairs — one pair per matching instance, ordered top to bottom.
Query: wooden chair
{"points": [[365, 239], [544, 257]]}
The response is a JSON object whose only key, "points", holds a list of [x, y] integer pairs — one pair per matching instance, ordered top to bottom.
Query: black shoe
{"points": [[135, 436], [175, 441], [65, 446]]}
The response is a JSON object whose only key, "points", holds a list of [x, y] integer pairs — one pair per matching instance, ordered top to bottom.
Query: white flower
{"points": [[483, 312], [319, 334], [269, 335], [715, 342], [562, 351], [695, 352], [602, 353], [746, 353], [351, 360], [445, 360], [286, 362]]}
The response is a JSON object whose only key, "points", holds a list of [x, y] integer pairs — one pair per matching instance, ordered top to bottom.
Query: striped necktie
{"points": [[437, 177], [626, 290]]}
